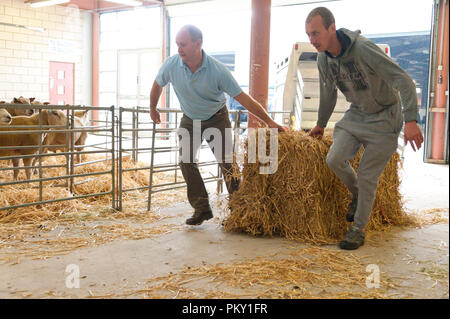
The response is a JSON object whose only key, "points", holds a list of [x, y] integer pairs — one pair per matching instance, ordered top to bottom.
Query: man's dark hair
{"points": [[327, 16], [195, 33]]}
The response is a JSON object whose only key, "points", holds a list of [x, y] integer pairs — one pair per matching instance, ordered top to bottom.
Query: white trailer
{"points": [[297, 88]]}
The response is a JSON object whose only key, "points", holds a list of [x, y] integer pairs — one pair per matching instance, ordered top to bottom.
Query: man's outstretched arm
{"points": [[155, 93], [256, 109]]}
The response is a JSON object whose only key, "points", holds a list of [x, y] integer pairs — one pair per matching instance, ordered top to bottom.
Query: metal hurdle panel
{"points": [[101, 128], [116, 134], [160, 149]]}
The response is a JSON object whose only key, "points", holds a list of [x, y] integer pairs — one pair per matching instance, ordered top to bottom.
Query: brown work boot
{"points": [[199, 217]]}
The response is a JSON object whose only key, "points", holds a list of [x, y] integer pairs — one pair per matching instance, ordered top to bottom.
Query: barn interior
{"points": [[96, 207]]}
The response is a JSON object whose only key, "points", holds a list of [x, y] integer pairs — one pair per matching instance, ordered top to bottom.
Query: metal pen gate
{"points": [[102, 128], [140, 130], [130, 134], [162, 153]]}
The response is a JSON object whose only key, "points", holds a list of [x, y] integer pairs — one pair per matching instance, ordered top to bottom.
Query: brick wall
{"points": [[25, 54]]}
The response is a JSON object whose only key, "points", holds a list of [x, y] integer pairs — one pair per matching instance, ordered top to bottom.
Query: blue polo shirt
{"points": [[200, 93]]}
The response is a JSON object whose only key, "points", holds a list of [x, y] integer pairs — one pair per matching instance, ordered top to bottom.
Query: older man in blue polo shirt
{"points": [[199, 82]]}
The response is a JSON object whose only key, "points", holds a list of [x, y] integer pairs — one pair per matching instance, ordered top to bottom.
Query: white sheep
{"points": [[21, 100], [54, 117], [80, 120]]}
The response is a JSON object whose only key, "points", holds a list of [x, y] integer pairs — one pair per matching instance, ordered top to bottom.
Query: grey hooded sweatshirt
{"points": [[368, 78]]}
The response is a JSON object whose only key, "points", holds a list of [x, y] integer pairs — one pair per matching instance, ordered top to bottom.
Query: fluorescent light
{"points": [[127, 2], [44, 3], [23, 26]]}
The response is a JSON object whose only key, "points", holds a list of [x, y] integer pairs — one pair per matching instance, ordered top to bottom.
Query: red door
{"points": [[61, 83]]}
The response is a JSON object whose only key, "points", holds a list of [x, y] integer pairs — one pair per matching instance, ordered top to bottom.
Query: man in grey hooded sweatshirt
{"points": [[371, 82]]}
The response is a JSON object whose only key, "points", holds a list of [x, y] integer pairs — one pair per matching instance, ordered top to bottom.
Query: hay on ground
{"points": [[11, 195], [30, 231], [311, 272]]}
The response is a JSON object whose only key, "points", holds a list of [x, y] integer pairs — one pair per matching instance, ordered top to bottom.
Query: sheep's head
{"points": [[22, 100], [82, 115], [5, 117], [56, 117]]}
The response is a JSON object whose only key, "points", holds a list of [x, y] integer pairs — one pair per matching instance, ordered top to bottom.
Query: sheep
{"points": [[21, 100], [5, 117], [54, 117], [80, 120], [84, 121]]}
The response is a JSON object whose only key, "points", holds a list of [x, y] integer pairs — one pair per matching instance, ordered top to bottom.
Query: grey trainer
{"points": [[350, 216], [353, 239]]}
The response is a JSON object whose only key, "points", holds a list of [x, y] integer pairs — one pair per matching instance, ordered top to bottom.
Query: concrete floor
{"points": [[127, 264]]}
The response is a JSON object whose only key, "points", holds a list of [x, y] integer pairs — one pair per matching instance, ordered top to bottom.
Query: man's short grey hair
{"points": [[327, 16], [196, 33]]}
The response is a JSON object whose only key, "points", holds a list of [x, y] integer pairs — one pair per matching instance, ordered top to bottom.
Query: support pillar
{"points": [[164, 22], [95, 42], [259, 55], [441, 85]]}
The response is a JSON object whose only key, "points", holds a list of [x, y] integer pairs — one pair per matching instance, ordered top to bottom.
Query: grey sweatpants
{"points": [[378, 133]]}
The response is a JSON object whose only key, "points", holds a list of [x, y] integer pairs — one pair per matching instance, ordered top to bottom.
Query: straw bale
{"points": [[304, 200]]}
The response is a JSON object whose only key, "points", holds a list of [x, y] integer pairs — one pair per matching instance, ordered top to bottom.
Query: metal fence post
{"points": [[119, 124], [72, 125], [67, 135], [133, 135], [137, 138], [176, 143], [40, 158], [113, 165], [150, 183]]}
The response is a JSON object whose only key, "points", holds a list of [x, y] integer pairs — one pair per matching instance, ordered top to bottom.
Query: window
{"points": [[120, 31], [226, 58]]}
